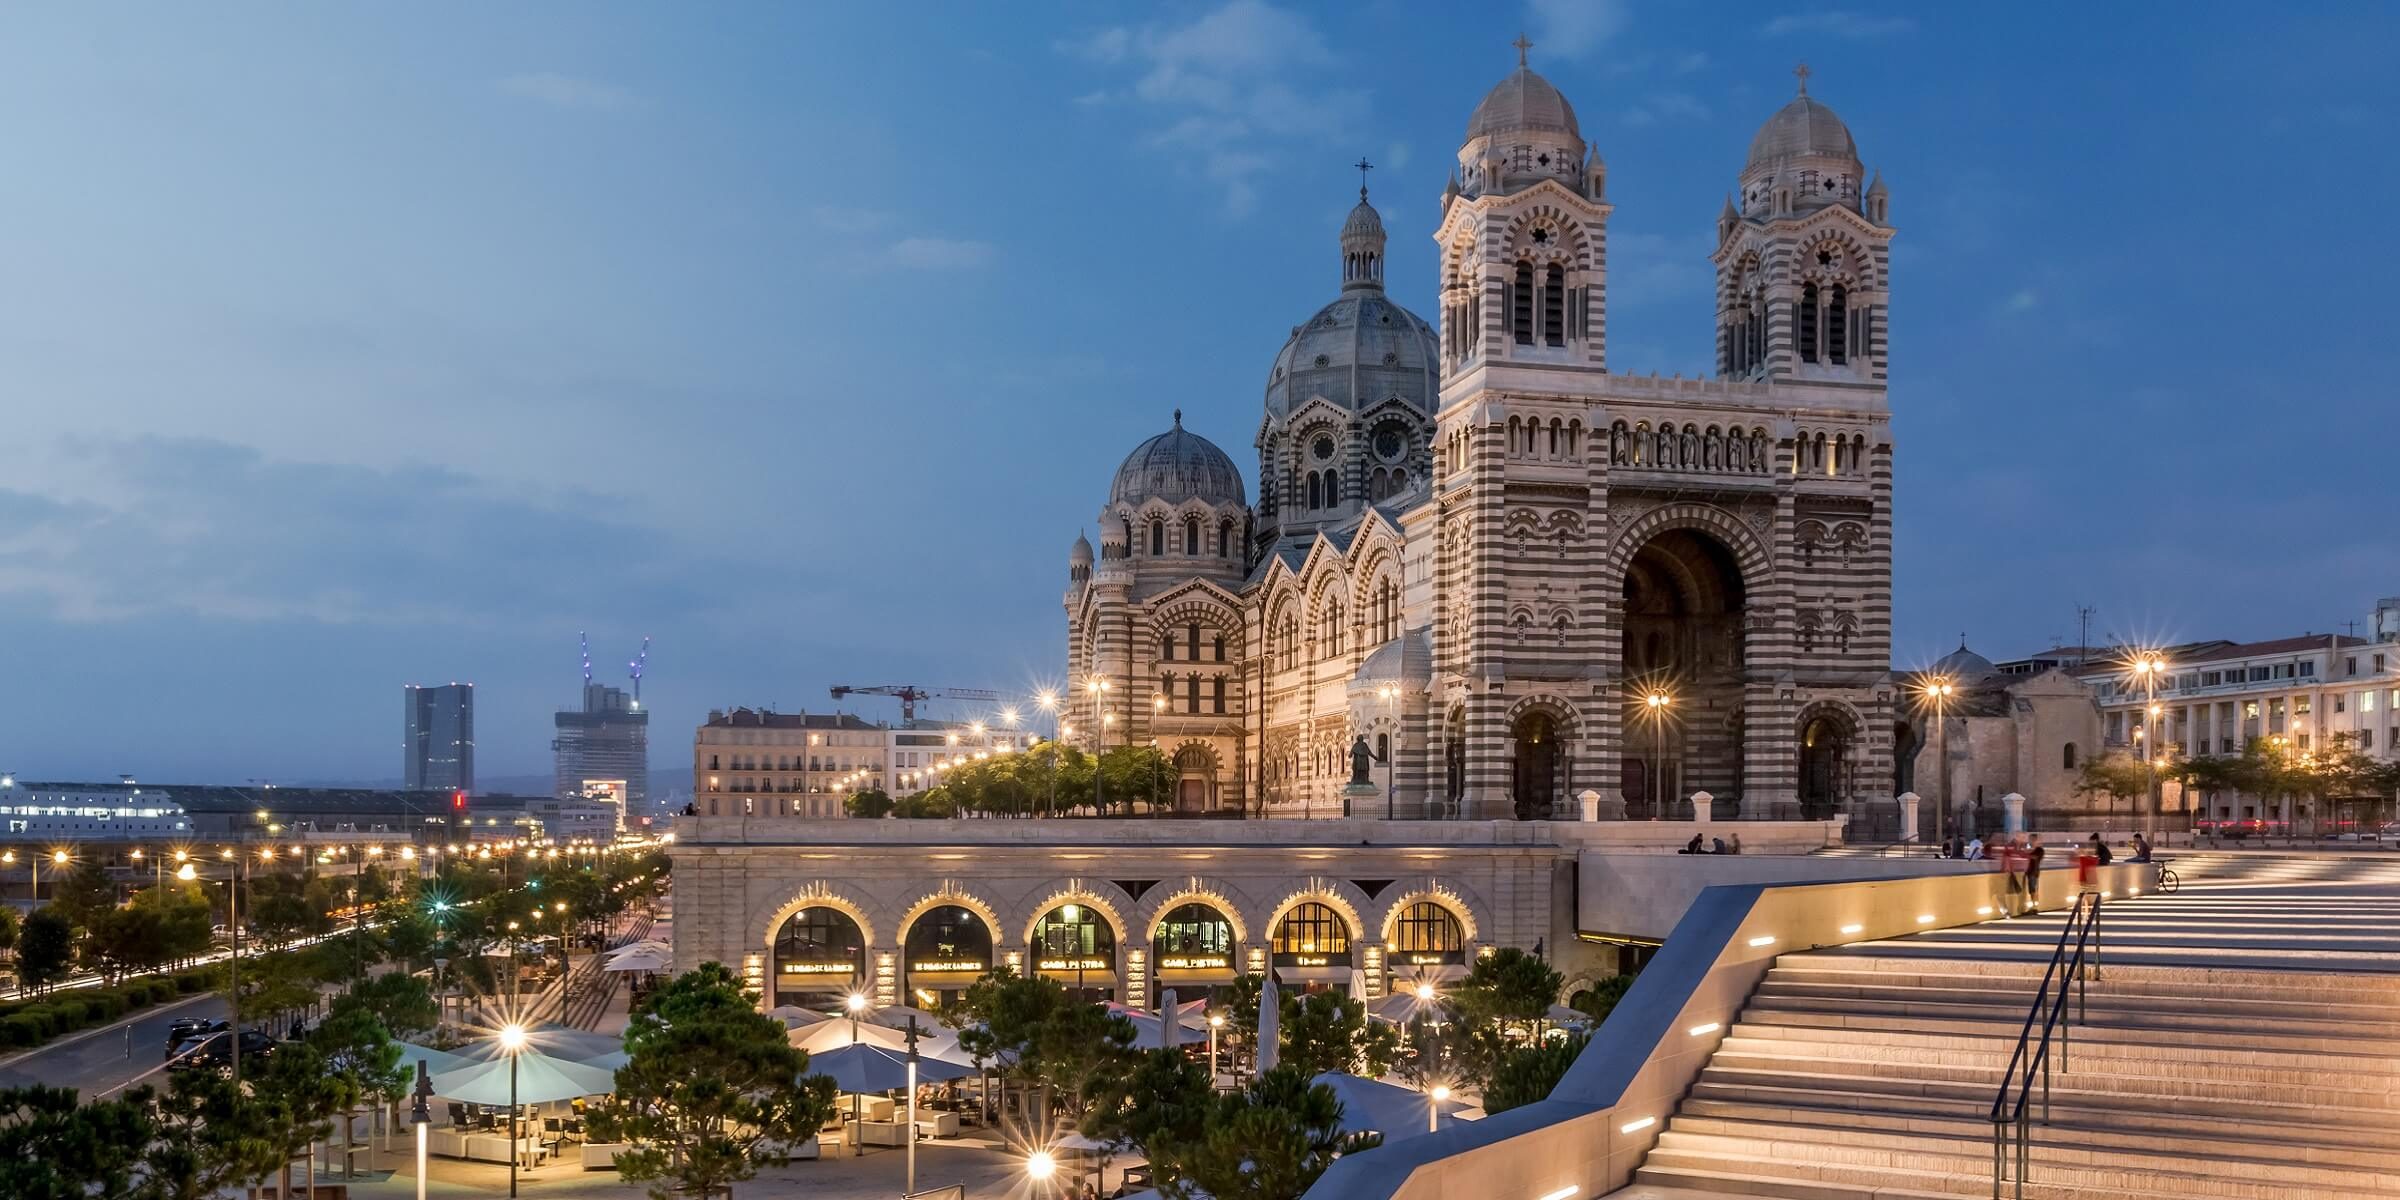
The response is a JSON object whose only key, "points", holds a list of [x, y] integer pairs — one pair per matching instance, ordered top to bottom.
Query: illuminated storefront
{"points": [[947, 950]]}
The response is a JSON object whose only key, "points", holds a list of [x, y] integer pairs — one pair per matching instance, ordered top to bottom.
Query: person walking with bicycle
{"points": [[2033, 873]]}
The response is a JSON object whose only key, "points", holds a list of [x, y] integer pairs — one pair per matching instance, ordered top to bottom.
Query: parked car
{"points": [[190, 1029], [215, 1051]]}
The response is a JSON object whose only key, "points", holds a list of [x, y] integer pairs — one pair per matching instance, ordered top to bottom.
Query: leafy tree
{"points": [[2115, 774], [868, 803], [934, 803], [84, 893], [185, 914], [10, 926], [410, 937], [120, 941], [44, 949], [1508, 984], [1600, 999], [402, 1003], [1241, 1013], [1327, 1031], [1052, 1040], [362, 1062], [1525, 1074], [712, 1091], [296, 1095], [1156, 1097], [206, 1138], [1268, 1142], [51, 1146]]}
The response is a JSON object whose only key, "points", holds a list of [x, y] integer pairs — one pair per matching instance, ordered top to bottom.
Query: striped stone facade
{"points": [[1571, 542]]}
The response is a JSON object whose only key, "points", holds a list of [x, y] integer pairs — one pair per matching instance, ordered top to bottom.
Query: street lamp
{"points": [[2147, 666], [1938, 692], [1048, 701], [1656, 704], [856, 1004], [1216, 1021], [512, 1040], [1439, 1096], [420, 1115], [1040, 1166]]}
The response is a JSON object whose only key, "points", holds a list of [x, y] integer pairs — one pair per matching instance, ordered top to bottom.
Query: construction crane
{"points": [[640, 662], [909, 694]]}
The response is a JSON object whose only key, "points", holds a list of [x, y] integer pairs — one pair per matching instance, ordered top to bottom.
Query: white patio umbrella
{"points": [[641, 958], [897, 1015], [795, 1017], [1170, 1024], [1270, 1024], [826, 1036], [552, 1040], [436, 1061], [864, 1068], [540, 1079], [1387, 1108]]}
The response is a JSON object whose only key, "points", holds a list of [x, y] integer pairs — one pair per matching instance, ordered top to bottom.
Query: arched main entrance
{"points": [[1683, 659], [1824, 761], [1535, 774], [1195, 780], [1429, 942], [1312, 945], [1076, 946], [947, 949], [820, 958]]}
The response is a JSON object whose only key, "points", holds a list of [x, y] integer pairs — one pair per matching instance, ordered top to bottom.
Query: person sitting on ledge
{"points": [[1692, 846], [1717, 846]]}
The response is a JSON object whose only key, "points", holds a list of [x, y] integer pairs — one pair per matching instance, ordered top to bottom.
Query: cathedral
{"points": [[1528, 585]]}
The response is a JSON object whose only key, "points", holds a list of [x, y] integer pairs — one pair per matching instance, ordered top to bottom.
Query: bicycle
{"points": [[2168, 881]]}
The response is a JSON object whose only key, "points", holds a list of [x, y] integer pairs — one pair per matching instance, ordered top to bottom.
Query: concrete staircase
{"points": [[1868, 1072]]}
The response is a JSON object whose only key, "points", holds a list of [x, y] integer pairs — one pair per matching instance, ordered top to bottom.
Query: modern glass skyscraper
{"points": [[608, 740], [438, 745]]}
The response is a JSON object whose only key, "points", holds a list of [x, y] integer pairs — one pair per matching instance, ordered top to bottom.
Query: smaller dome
{"points": [[1520, 102], [1801, 129], [1364, 220], [1176, 466], [1081, 555], [1405, 662], [1964, 665]]}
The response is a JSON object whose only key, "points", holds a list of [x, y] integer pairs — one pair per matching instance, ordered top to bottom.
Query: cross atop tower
{"points": [[1522, 46], [1802, 72], [1363, 167]]}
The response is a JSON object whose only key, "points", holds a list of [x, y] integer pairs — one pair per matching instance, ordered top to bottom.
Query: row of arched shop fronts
{"points": [[820, 954]]}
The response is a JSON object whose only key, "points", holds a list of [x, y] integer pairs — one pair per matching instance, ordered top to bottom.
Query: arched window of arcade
{"points": [[1428, 942], [1312, 945], [1075, 946], [948, 949], [1193, 949], [820, 958]]}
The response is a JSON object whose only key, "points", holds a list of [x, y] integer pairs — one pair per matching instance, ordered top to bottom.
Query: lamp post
{"points": [[2148, 666], [1099, 691], [1938, 691], [1049, 703], [1656, 703], [856, 1004], [1216, 1021], [512, 1040], [1433, 1108], [420, 1116], [1040, 1166], [911, 1189]]}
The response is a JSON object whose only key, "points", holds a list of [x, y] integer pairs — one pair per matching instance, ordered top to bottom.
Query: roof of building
{"points": [[1522, 101], [1801, 129], [1360, 350], [1176, 466], [2290, 645], [1964, 664], [759, 718], [215, 798]]}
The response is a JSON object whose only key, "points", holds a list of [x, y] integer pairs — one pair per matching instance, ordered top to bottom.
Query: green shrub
{"points": [[22, 1028]]}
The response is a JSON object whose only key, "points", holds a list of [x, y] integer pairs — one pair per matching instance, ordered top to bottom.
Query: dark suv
{"points": [[185, 1029], [215, 1051]]}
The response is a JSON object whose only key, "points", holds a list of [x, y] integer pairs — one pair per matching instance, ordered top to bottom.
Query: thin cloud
{"points": [[1841, 23], [1574, 27], [1231, 88], [569, 92], [1661, 106], [929, 253], [2022, 300]]}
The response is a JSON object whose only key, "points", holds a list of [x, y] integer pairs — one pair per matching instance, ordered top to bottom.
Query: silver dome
{"points": [[1523, 101], [1801, 129], [1356, 352], [1176, 466], [1964, 665]]}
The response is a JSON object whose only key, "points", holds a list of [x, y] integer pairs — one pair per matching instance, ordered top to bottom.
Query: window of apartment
{"points": [[2378, 664], [2350, 665], [2308, 670], [2257, 673], [2212, 678], [2366, 702], [2303, 705], [2338, 705], [2275, 708], [2250, 709], [2366, 739], [2300, 740]]}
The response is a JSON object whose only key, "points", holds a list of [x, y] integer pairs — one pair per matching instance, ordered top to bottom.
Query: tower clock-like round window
{"points": [[1389, 442], [1322, 447]]}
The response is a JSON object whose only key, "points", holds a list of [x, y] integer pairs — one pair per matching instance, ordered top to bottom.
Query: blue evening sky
{"points": [[344, 345]]}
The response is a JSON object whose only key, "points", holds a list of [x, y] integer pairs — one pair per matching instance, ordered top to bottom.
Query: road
{"points": [[95, 1062]]}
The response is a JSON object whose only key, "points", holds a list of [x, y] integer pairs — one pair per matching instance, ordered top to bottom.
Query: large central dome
{"points": [[1801, 129], [1356, 352], [1176, 466]]}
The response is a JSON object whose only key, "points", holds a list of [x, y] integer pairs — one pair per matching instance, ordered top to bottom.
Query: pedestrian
{"points": [[1736, 847], [2141, 848], [1974, 851], [2101, 851], [2012, 868], [2033, 873]]}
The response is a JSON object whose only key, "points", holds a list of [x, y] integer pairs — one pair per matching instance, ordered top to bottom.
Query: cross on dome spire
{"points": [[1522, 46], [1802, 73], [1363, 167], [1179, 418]]}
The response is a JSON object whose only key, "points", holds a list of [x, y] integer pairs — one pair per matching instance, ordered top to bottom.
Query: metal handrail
{"points": [[2074, 962]]}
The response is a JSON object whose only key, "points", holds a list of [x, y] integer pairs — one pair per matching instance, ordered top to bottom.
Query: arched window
{"points": [[1520, 305], [1554, 305], [1808, 322], [1837, 326], [1333, 487], [1316, 492], [1191, 536], [1158, 537], [1225, 539], [1191, 641], [1166, 646], [1218, 648], [1191, 693], [1216, 695], [1383, 747], [2067, 756], [1311, 930], [1193, 931], [1427, 934], [819, 955]]}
